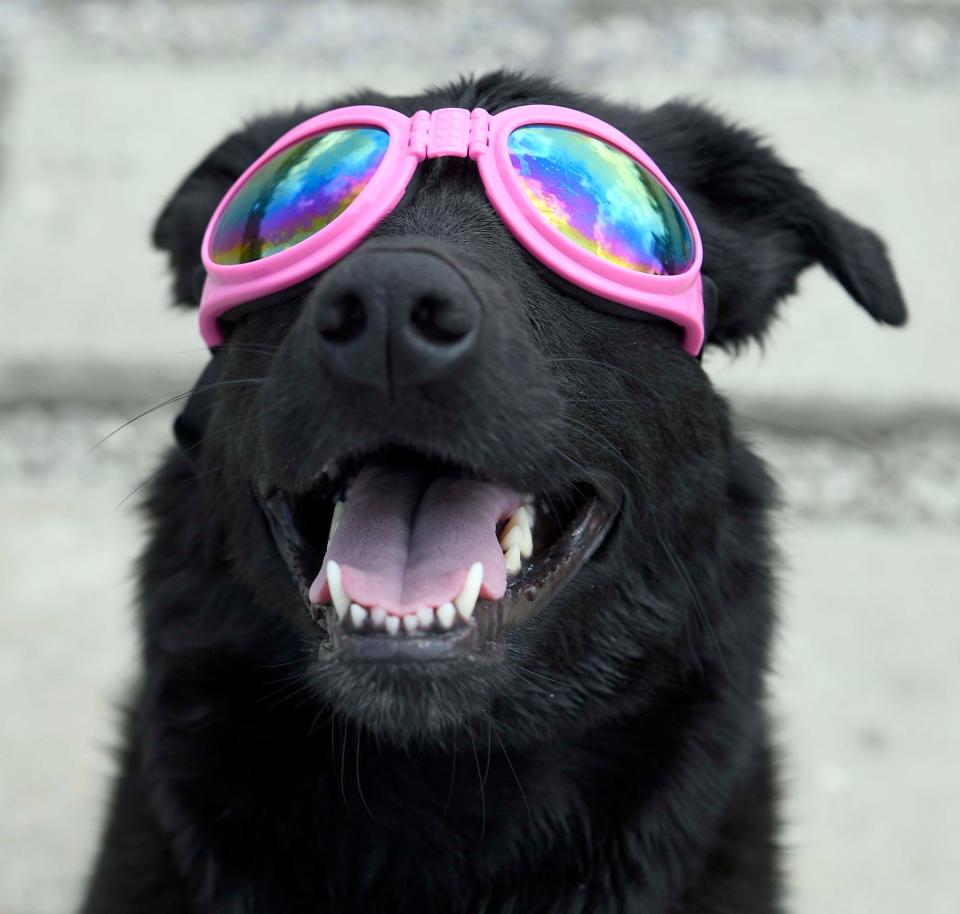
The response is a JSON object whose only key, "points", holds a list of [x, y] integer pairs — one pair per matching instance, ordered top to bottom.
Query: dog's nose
{"points": [[395, 316]]}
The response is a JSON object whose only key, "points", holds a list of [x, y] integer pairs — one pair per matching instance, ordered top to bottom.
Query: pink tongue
{"points": [[407, 540]]}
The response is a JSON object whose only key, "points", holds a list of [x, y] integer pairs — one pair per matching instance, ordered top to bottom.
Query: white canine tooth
{"points": [[528, 512], [335, 520], [518, 530], [512, 535], [518, 535], [526, 547], [512, 559], [467, 600], [341, 602], [358, 615], [446, 615], [378, 617], [425, 617], [410, 623], [392, 624]]}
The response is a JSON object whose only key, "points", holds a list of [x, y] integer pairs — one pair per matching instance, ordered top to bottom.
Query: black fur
{"points": [[620, 759]]}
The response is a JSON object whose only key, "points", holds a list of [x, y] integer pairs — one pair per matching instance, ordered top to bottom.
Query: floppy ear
{"points": [[762, 225], [180, 226]]}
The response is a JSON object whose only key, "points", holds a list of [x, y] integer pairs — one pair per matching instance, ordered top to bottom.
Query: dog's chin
{"points": [[381, 655], [410, 703]]}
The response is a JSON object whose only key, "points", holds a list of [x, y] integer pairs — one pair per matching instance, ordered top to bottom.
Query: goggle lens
{"points": [[298, 192], [601, 199]]}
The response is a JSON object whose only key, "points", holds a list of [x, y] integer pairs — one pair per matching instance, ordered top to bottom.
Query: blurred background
{"points": [[104, 106]]}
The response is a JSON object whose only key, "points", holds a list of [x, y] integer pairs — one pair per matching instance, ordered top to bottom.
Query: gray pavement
{"points": [[104, 106]]}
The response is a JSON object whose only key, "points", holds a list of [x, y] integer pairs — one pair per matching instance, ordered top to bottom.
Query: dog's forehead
{"points": [[492, 94]]}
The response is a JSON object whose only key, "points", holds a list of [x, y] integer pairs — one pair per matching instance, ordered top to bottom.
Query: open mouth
{"points": [[399, 556]]}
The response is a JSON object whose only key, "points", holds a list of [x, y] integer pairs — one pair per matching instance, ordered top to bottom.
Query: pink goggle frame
{"points": [[484, 138]]}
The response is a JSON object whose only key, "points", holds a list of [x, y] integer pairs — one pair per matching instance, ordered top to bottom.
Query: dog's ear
{"points": [[762, 225], [180, 226]]}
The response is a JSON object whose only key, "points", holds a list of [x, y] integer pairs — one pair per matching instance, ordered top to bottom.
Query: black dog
{"points": [[595, 742]]}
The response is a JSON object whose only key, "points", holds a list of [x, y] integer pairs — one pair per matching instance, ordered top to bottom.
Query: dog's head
{"points": [[469, 407]]}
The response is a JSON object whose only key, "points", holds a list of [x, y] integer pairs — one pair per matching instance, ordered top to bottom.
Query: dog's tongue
{"points": [[407, 540]]}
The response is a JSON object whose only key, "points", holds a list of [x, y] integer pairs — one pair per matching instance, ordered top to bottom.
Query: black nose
{"points": [[392, 315]]}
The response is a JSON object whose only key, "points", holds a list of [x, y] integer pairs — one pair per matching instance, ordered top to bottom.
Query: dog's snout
{"points": [[395, 317]]}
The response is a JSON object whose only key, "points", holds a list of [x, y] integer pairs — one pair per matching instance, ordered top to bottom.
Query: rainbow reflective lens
{"points": [[297, 193], [601, 199]]}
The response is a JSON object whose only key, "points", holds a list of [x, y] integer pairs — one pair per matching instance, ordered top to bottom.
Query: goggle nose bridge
{"points": [[449, 132]]}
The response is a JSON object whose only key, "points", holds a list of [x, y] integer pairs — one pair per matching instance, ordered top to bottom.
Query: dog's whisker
{"points": [[251, 348], [255, 348], [594, 363], [170, 400], [193, 448], [609, 448], [193, 477], [668, 551], [700, 611], [307, 650], [554, 682], [289, 689], [318, 719], [333, 740], [343, 761], [486, 770], [453, 773], [516, 777], [363, 799], [483, 802]]}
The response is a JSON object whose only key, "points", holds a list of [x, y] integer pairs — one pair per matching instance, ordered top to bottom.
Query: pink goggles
{"points": [[578, 194]]}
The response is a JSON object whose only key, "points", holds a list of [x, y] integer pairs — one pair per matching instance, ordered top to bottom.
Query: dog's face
{"points": [[447, 388]]}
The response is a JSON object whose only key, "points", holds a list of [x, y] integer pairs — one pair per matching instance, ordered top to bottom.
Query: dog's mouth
{"points": [[399, 556]]}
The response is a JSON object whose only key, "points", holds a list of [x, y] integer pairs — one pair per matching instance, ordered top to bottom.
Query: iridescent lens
{"points": [[297, 192], [601, 199]]}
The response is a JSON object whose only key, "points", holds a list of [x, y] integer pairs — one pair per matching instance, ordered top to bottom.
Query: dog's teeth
{"points": [[529, 512], [335, 520], [518, 531], [520, 535], [511, 536], [526, 547], [512, 559], [467, 600], [341, 602], [358, 615], [446, 615], [378, 617], [425, 617], [410, 623], [392, 624]]}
